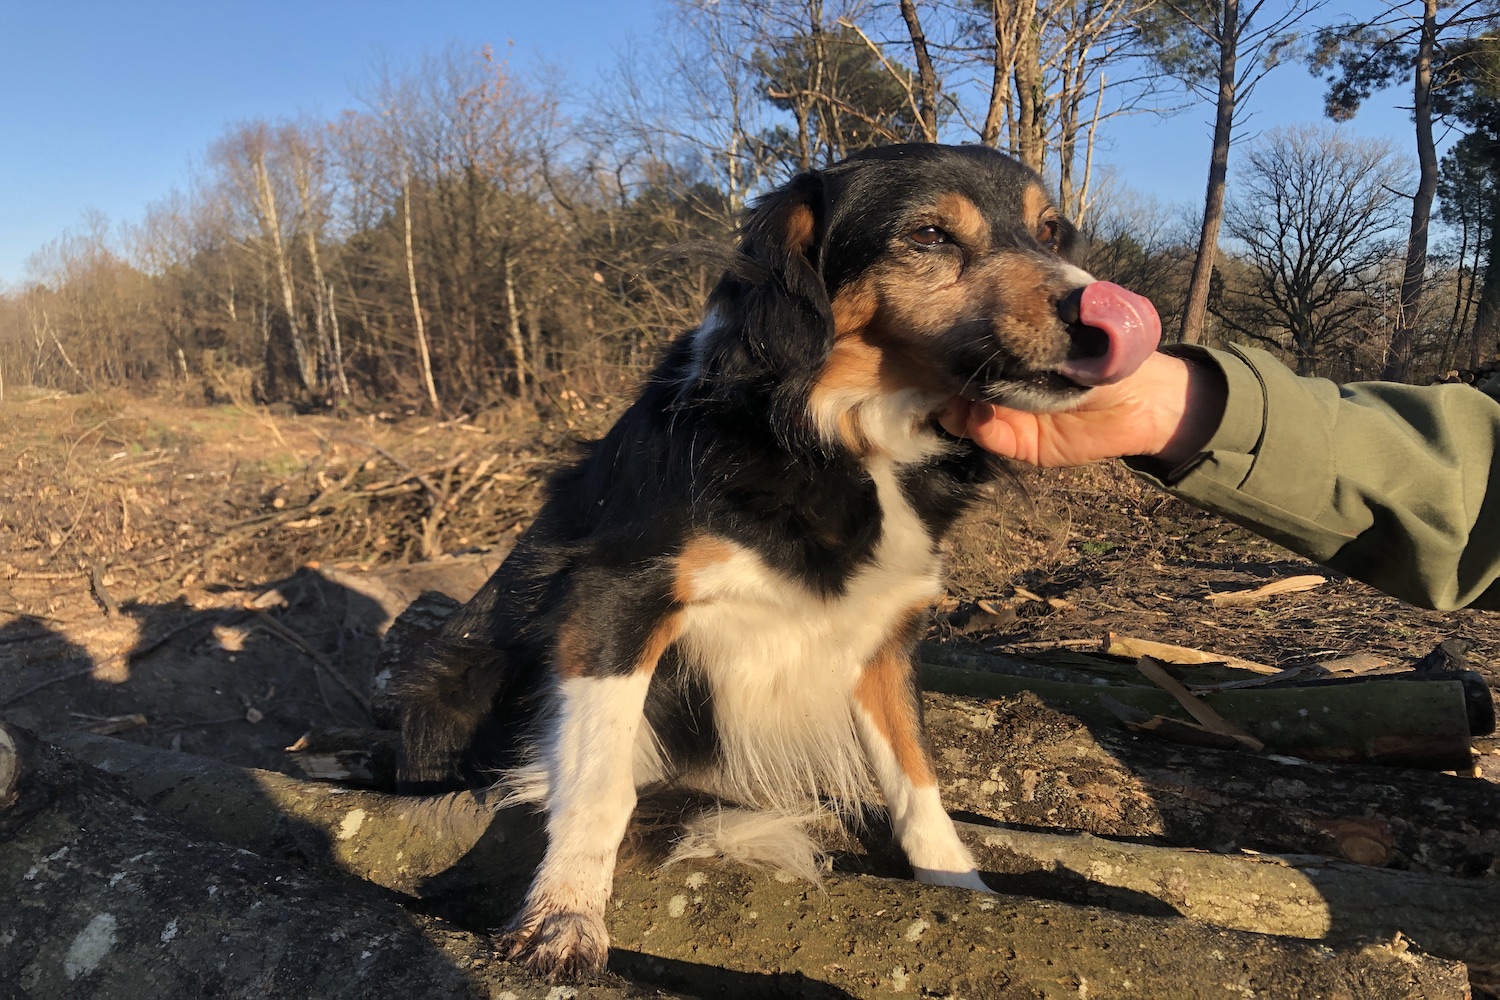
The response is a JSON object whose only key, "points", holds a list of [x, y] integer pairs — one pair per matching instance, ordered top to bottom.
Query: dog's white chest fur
{"points": [[782, 661]]}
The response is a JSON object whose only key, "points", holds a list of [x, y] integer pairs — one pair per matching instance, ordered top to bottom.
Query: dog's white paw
{"points": [[963, 880], [556, 944]]}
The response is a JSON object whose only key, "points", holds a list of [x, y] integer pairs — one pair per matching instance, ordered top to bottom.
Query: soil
{"points": [[210, 579]]}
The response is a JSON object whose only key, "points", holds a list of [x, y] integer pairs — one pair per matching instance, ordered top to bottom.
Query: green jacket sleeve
{"points": [[1396, 485]]}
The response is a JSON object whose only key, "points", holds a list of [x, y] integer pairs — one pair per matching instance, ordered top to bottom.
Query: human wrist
{"points": [[1192, 405]]}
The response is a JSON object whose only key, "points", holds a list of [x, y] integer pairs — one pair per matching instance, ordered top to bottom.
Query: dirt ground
{"points": [[179, 515], [216, 580]]}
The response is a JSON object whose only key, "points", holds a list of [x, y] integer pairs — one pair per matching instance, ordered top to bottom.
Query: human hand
{"points": [[1167, 409]]}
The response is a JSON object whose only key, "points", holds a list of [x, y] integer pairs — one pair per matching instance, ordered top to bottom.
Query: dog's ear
{"points": [[779, 301]]}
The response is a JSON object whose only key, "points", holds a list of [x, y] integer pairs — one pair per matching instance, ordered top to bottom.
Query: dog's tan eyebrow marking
{"points": [[1035, 205], [963, 219], [884, 690]]}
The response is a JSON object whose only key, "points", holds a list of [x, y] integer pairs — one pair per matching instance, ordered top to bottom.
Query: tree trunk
{"points": [[1002, 13], [927, 83], [1030, 130], [270, 219], [416, 306], [1196, 309], [513, 324], [1486, 336], [1403, 340], [341, 377]]}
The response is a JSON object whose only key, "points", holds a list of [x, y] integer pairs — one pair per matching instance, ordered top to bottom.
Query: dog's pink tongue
{"points": [[1131, 331]]}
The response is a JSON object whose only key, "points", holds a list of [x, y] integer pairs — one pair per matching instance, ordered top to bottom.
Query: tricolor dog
{"points": [[723, 594]]}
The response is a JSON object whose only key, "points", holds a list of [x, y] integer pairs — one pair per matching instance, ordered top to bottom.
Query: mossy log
{"points": [[1405, 720], [721, 931]]}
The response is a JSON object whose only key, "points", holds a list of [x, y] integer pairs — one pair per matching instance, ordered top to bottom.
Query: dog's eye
{"points": [[1049, 233], [930, 236]]}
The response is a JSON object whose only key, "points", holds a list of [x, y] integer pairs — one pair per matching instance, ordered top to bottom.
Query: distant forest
{"points": [[458, 238]]}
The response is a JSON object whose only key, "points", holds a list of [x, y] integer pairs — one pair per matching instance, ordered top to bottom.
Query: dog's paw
{"points": [[963, 880], [557, 945]]}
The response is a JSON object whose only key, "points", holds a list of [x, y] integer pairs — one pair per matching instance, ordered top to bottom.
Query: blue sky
{"points": [[105, 106]]}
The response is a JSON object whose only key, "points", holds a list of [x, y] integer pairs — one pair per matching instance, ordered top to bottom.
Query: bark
{"points": [[1004, 60], [927, 83], [1029, 131], [270, 221], [1414, 275], [416, 306], [1196, 308], [513, 322], [1486, 336], [1403, 720], [1018, 761], [1301, 896], [105, 898], [715, 929]]}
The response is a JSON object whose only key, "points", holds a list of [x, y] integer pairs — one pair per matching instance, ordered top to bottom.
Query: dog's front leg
{"points": [[888, 714], [590, 795]]}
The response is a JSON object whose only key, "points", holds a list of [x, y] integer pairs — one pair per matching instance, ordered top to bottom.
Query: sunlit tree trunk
{"points": [[927, 83], [271, 227], [1414, 276], [416, 305], [1196, 309], [517, 345]]}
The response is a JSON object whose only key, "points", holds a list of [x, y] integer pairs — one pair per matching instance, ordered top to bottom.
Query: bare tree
{"points": [[1405, 36], [1219, 49], [1315, 217]]}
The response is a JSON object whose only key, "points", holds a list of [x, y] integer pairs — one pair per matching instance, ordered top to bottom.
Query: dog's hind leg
{"points": [[888, 714], [590, 761]]}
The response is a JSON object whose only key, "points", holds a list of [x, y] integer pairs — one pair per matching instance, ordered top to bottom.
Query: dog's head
{"points": [[911, 273]]}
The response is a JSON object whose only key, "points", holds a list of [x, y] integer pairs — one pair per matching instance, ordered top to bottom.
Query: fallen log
{"points": [[1409, 720], [1017, 761], [456, 851], [1297, 896], [104, 898]]}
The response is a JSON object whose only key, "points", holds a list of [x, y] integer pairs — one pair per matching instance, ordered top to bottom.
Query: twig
{"points": [[72, 574], [96, 577], [1053, 644], [318, 659], [1154, 672], [7, 702]]}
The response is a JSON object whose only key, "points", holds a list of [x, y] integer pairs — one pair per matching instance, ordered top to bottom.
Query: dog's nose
{"points": [[1067, 306], [1112, 332]]}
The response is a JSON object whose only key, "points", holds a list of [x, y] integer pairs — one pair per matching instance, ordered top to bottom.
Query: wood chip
{"points": [[1290, 585], [1128, 646], [1154, 672], [115, 724], [1176, 730]]}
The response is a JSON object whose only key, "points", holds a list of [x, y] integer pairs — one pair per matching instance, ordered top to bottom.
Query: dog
{"points": [[723, 594]]}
